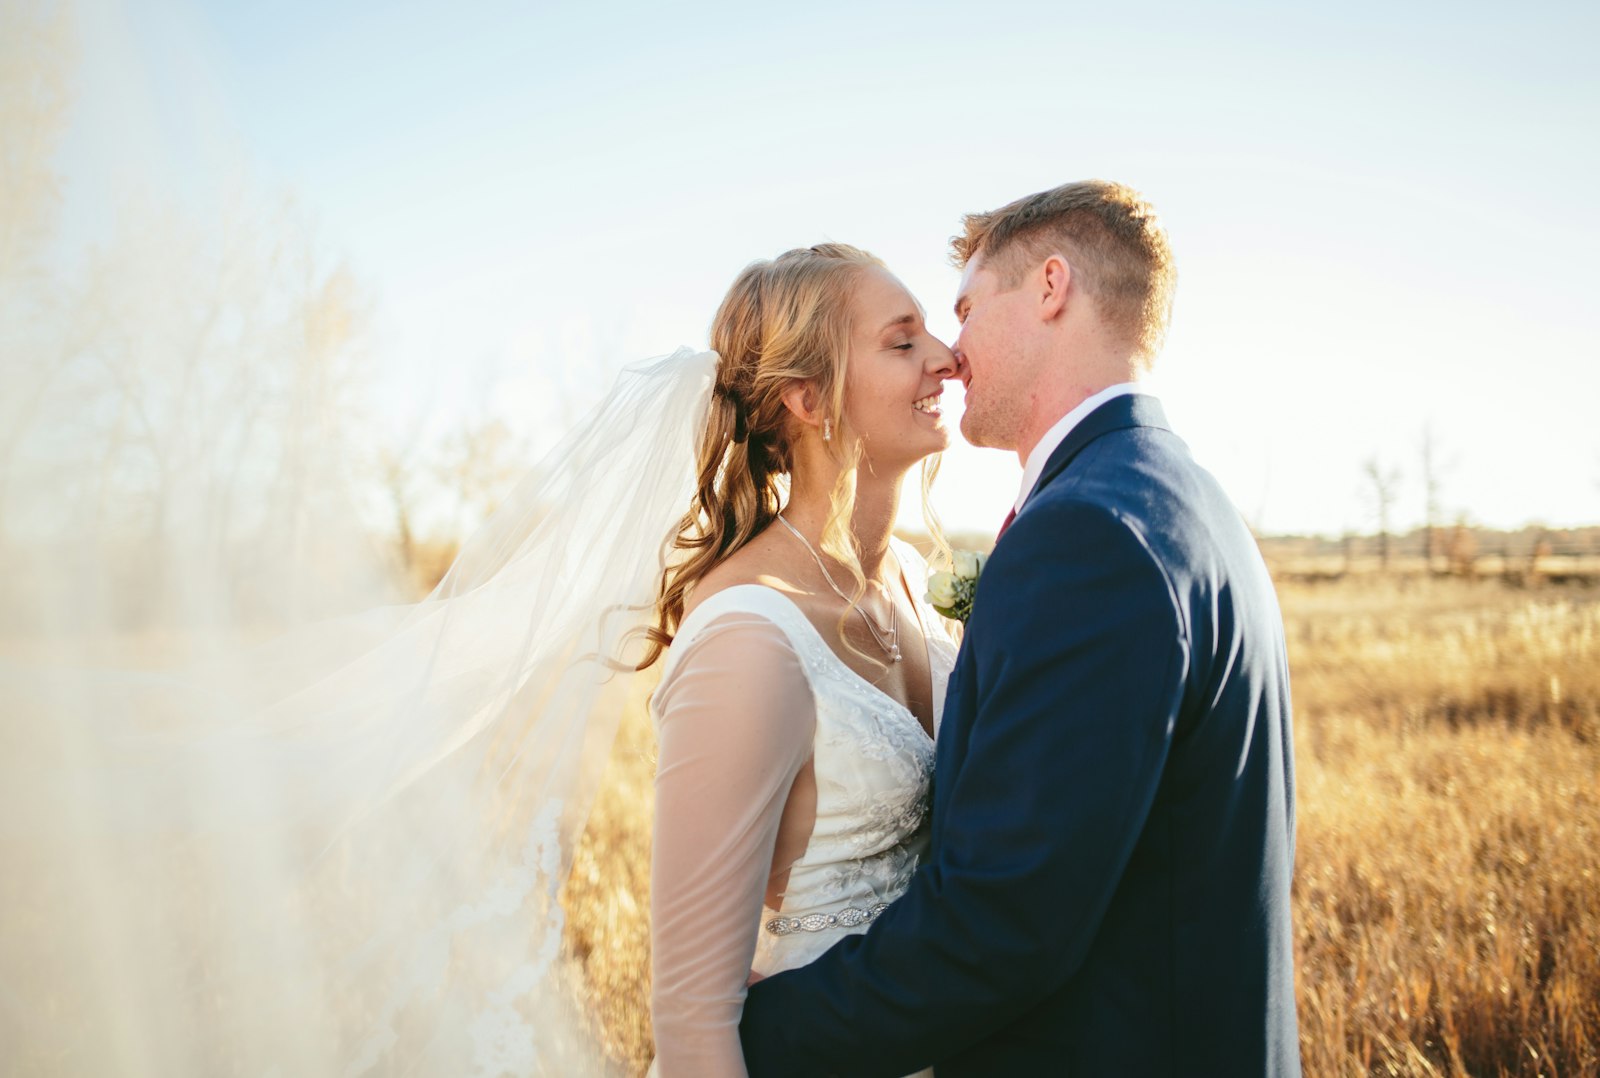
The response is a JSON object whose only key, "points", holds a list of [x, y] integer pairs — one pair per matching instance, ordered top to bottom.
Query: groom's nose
{"points": [[963, 371]]}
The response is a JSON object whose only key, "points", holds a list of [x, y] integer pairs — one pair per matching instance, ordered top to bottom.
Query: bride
{"points": [[798, 705], [339, 851]]}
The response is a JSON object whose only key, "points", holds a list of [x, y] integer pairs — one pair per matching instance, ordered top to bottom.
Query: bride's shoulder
{"points": [[754, 564], [745, 602]]}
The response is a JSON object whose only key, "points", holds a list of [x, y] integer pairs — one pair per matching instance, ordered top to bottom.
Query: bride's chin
{"points": [[938, 429], [929, 446]]}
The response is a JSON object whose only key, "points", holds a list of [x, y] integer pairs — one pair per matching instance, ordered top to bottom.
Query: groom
{"points": [[1107, 888]]}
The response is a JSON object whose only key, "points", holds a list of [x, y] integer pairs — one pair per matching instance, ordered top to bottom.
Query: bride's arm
{"points": [[735, 720]]}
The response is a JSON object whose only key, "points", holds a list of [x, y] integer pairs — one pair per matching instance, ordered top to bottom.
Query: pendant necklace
{"points": [[886, 638]]}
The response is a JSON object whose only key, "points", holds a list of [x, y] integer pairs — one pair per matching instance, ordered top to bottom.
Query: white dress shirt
{"points": [[1034, 468]]}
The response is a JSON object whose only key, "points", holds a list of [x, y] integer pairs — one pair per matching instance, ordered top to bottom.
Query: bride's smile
{"points": [[896, 367]]}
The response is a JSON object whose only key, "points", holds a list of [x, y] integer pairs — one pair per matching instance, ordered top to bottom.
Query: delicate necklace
{"points": [[890, 645]]}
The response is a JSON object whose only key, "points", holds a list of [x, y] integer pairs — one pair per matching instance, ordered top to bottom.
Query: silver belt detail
{"points": [[849, 917]]}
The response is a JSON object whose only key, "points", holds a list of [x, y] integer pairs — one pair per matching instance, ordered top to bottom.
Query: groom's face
{"points": [[993, 363]]}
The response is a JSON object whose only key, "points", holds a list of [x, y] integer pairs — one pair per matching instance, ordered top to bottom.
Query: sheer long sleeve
{"points": [[735, 720]]}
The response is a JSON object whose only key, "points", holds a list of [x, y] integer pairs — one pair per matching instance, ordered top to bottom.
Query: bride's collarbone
{"points": [[906, 681]]}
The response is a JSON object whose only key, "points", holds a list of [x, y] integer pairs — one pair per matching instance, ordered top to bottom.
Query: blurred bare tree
{"points": [[37, 58], [180, 399], [481, 462], [1431, 470], [397, 478], [436, 490], [1383, 490]]}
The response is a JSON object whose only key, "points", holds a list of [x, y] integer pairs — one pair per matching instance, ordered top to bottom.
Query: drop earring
{"points": [[827, 429]]}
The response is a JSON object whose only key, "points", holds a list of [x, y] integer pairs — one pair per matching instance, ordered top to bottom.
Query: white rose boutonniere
{"points": [[950, 593]]}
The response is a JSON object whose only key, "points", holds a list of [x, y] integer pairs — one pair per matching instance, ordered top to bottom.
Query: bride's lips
{"points": [[929, 405]]}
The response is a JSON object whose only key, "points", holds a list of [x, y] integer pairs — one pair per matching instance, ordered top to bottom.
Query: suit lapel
{"points": [[1118, 413]]}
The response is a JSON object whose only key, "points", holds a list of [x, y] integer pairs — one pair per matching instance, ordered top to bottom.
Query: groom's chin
{"points": [[974, 435]]}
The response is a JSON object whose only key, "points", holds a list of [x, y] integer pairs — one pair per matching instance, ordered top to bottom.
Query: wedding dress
{"points": [[751, 693]]}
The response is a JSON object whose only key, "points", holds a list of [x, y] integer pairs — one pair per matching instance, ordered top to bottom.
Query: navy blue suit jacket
{"points": [[1107, 886]]}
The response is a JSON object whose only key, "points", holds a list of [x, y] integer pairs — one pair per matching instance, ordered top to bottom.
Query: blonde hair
{"points": [[1110, 236], [783, 321]]}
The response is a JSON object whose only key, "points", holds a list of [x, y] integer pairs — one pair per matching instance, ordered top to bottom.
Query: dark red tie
{"points": [[1009, 518]]}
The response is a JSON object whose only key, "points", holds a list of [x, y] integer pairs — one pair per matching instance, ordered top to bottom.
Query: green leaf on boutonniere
{"points": [[950, 592]]}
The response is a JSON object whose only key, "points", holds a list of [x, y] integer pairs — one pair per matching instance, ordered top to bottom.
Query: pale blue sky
{"points": [[1383, 214]]}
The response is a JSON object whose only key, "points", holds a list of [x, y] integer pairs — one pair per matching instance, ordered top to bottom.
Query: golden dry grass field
{"points": [[1447, 893]]}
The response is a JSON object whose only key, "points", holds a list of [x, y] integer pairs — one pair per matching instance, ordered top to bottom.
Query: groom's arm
{"points": [[1077, 651]]}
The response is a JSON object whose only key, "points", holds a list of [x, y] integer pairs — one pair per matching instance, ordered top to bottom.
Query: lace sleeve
{"points": [[735, 720]]}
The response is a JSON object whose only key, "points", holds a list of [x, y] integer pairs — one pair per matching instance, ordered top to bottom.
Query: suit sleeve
{"points": [[1074, 656]]}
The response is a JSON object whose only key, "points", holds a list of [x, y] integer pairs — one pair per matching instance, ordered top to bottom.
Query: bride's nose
{"points": [[941, 361]]}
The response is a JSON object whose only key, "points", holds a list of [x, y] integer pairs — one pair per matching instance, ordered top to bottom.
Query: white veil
{"points": [[243, 830], [339, 850]]}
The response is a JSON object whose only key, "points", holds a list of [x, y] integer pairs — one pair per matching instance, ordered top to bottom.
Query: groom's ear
{"points": [[1054, 279]]}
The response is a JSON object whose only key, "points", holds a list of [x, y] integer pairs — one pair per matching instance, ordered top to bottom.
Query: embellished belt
{"points": [[849, 917]]}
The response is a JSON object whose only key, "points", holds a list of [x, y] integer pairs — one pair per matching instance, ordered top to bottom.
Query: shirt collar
{"points": [[1057, 434]]}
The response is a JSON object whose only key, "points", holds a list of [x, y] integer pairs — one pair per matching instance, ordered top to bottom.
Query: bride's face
{"points": [[895, 376]]}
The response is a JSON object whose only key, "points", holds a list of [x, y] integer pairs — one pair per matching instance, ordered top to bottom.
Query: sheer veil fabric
{"points": [[244, 830], [335, 852]]}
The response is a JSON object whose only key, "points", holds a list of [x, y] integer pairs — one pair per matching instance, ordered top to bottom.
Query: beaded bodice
{"points": [[873, 763]]}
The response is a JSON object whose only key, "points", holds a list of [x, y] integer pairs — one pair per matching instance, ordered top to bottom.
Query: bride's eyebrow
{"points": [[903, 320]]}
